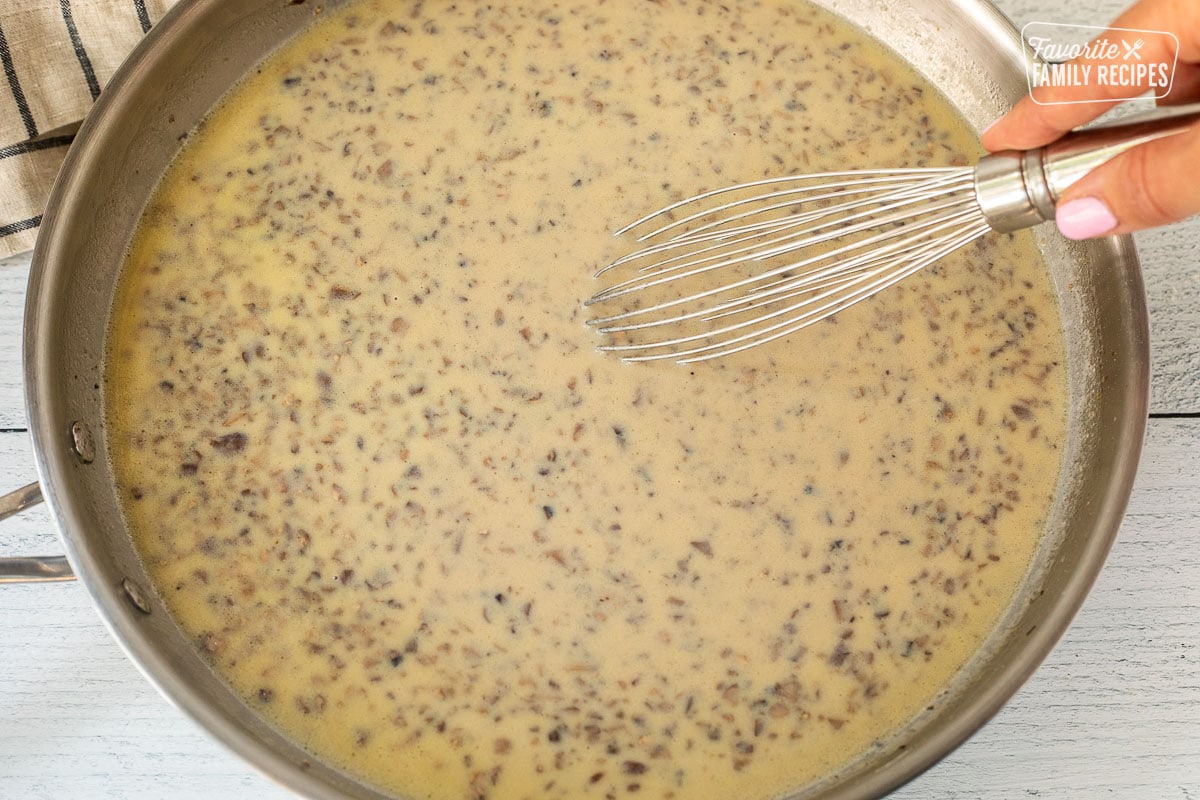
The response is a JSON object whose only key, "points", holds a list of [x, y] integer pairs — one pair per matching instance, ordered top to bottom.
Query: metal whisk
{"points": [[744, 265]]}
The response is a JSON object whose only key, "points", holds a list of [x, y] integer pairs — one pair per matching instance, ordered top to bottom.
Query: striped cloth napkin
{"points": [[56, 56]]}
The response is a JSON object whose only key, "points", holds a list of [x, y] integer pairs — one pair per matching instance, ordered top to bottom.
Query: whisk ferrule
{"points": [[1012, 190]]}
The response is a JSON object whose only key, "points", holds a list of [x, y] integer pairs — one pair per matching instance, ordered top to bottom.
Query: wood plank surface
{"points": [[14, 274]]}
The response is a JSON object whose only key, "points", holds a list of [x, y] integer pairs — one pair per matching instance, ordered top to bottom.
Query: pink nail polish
{"points": [[1084, 218]]}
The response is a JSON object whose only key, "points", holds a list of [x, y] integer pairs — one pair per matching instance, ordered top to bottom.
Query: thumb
{"points": [[1152, 184]]}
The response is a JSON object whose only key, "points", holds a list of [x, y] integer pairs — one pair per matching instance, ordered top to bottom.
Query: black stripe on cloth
{"points": [[143, 14], [85, 63], [10, 72], [20, 148], [20, 225]]}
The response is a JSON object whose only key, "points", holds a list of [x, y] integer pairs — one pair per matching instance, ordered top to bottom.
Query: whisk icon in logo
{"points": [[1075, 61]]}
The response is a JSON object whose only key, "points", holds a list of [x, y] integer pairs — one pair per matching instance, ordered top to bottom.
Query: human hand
{"points": [[1152, 184]]}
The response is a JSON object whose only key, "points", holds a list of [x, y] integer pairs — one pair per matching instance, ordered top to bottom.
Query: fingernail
{"points": [[995, 122], [1084, 218]]}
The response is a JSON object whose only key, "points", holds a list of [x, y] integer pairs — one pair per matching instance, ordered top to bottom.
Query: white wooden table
{"points": [[1113, 713]]}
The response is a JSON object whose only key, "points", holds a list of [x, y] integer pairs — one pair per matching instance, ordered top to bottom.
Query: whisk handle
{"points": [[1020, 188]]}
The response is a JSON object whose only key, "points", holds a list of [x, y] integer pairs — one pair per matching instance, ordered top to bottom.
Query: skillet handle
{"points": [[34, 569]]}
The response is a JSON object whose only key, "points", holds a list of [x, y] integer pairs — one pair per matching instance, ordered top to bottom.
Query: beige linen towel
{"points": [[55, 56]]}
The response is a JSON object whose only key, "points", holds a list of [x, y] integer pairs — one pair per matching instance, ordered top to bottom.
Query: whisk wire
{"points": [[919, 172], [802, 194], [876, 195], [753, 233], [771, 248], [759, 250], [792, 264], [853, 271], [889, 278], [876, 281], [785, 288]]}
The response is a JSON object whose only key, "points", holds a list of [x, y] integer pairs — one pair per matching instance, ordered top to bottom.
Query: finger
{"points": [[1185, 88], [1050, 111], [1030, 124], [1147, 186]]}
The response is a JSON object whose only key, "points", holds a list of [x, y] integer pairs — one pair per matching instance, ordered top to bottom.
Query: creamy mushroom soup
{"points": [[383, 479]]}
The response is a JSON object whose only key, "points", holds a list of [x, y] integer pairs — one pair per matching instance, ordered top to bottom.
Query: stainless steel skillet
{"points": [[963, 46]]}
